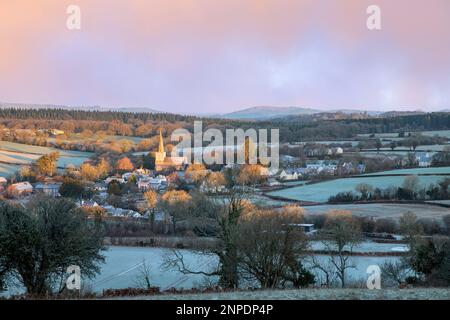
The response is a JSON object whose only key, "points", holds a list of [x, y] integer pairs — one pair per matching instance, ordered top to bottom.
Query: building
{"points": [[424, 159], [163, 162], [289, 175], [115, 179], [157, 183], [20, 188], [49, 189], [89, 204]]}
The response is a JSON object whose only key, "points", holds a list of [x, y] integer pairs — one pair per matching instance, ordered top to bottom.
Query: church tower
{"points": [[161, 154]]}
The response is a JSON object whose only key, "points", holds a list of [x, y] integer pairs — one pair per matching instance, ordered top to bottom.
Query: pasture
{"points": [[14, 155], [322, 191], [383, 210]]}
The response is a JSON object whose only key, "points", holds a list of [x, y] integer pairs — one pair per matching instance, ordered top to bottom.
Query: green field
{"points": [[14, 155], [320, 192]]}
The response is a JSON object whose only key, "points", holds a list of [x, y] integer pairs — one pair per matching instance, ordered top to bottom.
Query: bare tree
{"points": [[345, 234], [272, 250], [395, 273], [143, 278]]}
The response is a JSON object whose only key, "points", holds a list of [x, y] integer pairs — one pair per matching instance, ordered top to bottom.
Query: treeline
{"points": [[145, 124], [294, 130], [410, 190]]}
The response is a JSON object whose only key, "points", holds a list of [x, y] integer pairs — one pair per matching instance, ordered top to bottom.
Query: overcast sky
{"points": [[215, 56]]}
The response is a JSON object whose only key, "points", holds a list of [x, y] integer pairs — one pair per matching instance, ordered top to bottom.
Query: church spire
{"points": [[161, 143]]}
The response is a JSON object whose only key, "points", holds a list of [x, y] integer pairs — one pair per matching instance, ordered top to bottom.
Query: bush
{"points": [[386, 225]]}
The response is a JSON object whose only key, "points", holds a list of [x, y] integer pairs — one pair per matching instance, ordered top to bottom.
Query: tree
{"points": [[378, 144], [393, 145], [149, 161], [47, 164], [124, 164], [103, 168], [89, 172], [196, 173], [251, 175], [215, 180], [412, 184], [72, 188], [365, 190], [152, 201], [176, 204], [227, 219], [410, 228], [345, 234], [39, 242], [273, 249], [431, 258], [143, 278]]}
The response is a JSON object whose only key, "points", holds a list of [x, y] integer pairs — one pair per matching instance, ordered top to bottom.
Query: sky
{"points": [[204, 56]]}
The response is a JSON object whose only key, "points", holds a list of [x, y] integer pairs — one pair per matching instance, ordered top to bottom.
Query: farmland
{"points": [[14, 155], [414, 171], [321, 192], [383, 210]]}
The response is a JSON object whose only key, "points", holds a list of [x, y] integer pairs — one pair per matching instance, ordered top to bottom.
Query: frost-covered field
{"points": [[441, 133], [13, 155], [417, 171], [320, 192], [383, 210], [121, 268], [313, 294]]}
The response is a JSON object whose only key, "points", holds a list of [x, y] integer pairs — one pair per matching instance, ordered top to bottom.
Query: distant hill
{"points": [[7, 105], [266, 113]]}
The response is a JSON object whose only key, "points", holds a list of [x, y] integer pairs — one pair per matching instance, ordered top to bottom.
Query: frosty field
{"points": [[14, 155], [416, 171], [320, 192], [383, 210]]}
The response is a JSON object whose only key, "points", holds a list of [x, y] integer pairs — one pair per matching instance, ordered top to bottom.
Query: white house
{"points": [[424, 159], [288, 176], [115, 179], [152, 183]]}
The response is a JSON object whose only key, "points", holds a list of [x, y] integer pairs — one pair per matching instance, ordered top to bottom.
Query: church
{"points": [[163, 162]]}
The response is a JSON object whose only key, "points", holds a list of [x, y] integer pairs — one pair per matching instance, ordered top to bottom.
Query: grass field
{"points": [[14, 155], [320, 192]]}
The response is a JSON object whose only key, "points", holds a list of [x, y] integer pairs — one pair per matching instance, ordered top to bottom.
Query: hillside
{"points": [[266, 113]]}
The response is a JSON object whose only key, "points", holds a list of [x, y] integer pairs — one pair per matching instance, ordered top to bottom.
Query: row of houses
{"points": [[329, 167]]}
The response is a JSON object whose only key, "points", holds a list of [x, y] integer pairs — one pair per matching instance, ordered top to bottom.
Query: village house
{"points": [[424, 159], [322, 166], [285, 176], [115, 179], [3, 181], [156, 183], [20, 188], [49, 189], [89, 204]]}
